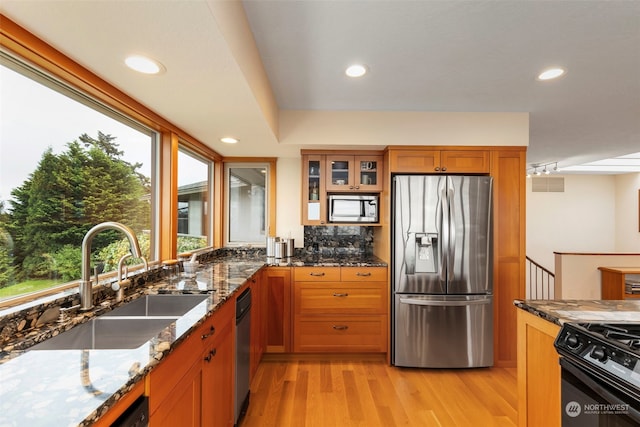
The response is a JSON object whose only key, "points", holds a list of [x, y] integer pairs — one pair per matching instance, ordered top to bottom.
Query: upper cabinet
{"points": [[439, 161], [336, 172], [352, 173]]}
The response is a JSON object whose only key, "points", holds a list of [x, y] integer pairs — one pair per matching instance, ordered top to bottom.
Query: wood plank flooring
{"points": [[342, 391]]}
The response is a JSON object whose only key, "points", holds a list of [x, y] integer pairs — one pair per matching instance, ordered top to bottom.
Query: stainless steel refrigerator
{"points": [[442, 290]]}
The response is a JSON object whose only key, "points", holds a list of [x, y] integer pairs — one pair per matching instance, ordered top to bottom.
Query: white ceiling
{"points": [[423, 55]]}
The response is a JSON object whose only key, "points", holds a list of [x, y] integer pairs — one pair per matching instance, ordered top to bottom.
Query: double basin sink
{"points": [[125, 327]]}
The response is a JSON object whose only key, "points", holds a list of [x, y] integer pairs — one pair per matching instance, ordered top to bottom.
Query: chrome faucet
{"points": [[123, 279], [85, 290]]}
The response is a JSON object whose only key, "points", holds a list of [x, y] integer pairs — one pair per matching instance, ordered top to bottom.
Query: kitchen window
{"points": [[67, 163], [194, 196], [247, 202]]}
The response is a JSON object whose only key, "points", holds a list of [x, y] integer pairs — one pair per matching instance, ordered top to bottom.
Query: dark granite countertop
{"points": [[563, 311], [76, 387]]}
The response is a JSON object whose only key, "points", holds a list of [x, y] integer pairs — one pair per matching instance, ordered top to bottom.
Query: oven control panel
{"points": [[598, 353]]}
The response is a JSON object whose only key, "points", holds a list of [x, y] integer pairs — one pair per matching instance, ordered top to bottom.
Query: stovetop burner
{"points": [[624, 334], [607, 350]]}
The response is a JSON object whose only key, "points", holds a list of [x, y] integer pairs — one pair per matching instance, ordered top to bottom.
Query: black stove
{"points": [[609, 351]]}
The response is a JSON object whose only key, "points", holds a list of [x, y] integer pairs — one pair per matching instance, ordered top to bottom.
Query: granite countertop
{"points": [[317, 260], [582, 311], [76, 387]]}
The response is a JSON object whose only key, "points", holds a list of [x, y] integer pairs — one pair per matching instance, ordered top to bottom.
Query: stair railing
{"points": [[540, 281]]}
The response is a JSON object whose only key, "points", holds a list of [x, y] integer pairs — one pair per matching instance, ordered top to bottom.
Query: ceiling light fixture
{"points": [[144, 65], [356, 70], [551, 73], [229, 140]]}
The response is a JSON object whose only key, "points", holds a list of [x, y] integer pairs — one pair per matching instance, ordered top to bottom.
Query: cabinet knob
{"points": [[437, 168], [444, 169], [357, 187], [316, 274], [365, 274], [340, 295], [340, 327], [212, 331]]}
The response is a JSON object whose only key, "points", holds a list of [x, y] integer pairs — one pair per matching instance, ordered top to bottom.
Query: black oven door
{"points": [[592, 401]]}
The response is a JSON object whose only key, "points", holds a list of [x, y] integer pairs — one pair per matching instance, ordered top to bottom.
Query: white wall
{"points": [[288, 203], [627, 215], [582, 219]]}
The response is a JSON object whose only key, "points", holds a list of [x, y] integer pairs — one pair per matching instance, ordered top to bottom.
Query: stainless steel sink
{"points": [[158, 305], [107, 333]]}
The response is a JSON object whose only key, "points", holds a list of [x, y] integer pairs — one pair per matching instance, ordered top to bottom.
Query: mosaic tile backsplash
{"points": [[338, 240]]}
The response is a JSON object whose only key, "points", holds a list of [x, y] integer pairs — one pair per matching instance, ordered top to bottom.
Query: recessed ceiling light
{"points": [[144, 65], [356, 70], [551, 73], [229, 140]]}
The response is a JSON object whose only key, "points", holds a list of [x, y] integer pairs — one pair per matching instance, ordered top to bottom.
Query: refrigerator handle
{"points": [[444, 227], [451, 241], [410, 253], [441, 303]]}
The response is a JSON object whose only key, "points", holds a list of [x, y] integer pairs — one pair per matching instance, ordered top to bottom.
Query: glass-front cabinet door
{"points": [[340, 173], [354, 173], [368, 173], [314, 210]]}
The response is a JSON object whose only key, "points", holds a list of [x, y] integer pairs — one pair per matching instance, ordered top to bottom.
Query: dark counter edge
{"points": [[546, 316]]}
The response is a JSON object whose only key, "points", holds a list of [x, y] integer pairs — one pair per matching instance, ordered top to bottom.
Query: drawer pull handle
{"points": [[316, 274], [366, 274], [340, 295], [340, 327], [212, 331], [211, 354]]}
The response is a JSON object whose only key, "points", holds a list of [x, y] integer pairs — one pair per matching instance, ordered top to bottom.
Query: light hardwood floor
{"points": [[364, 391]]}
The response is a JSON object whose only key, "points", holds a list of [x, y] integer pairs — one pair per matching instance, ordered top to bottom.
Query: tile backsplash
{"points": [[338, 240]]}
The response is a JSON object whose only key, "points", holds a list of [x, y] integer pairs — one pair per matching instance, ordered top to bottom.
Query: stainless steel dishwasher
{"points": [[243, 341]]}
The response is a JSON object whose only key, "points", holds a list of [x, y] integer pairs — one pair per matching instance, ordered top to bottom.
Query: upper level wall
{"points": [[577, 274]]}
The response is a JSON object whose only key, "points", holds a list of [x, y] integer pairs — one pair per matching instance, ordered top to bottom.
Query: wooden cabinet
{"points": [[412, 160], [335, 172], [351, 173], [614, 281], [277, 285], [340, 309], [258, 321], [218, 368], [538, 372], [194, 385]]}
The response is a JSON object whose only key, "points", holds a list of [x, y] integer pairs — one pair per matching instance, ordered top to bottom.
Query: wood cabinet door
{"points": [[414, 161], [464, 161], [340, 172], [368, 173], [314, 194], [278, 310], [258, 322], [218, 378], [182, 406]]}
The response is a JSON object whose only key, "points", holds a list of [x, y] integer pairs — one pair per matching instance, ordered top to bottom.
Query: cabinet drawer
{"points": [[316, 274], [363, 274], [311, 298], [340, 334]]}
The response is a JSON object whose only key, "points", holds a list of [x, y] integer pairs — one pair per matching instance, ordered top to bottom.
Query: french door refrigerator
{"points": [[442, 290]]}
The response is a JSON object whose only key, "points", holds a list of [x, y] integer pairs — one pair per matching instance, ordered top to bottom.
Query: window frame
{"points": [[25, 47], [270, 195]]}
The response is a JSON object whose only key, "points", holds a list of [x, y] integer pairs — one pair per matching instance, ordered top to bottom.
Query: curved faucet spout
{"points": [[86, 300]]}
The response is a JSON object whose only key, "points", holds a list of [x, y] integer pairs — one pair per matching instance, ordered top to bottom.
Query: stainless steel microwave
{"points": [[353, 208]]}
